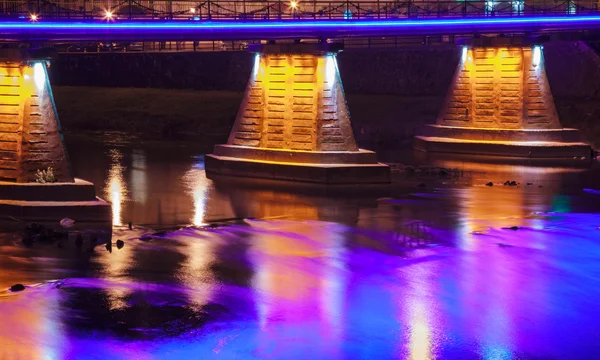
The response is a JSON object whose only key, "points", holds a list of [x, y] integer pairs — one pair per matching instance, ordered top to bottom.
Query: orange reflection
{"points": [[115, 186], [198, 186], [500, 206], [200, 253], [116, 266], [297, 278], [29, 328], [420, 337]]}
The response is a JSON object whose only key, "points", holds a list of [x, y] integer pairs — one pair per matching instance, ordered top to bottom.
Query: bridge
{"points": [[252, 10], [158, 20], [42, 31], [294, 122]]}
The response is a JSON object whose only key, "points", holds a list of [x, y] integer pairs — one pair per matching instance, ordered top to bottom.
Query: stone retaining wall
{"points": [[402, 71]]}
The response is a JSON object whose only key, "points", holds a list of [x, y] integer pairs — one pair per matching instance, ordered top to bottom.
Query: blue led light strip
{"points": [[179, 24], [55, 30]]}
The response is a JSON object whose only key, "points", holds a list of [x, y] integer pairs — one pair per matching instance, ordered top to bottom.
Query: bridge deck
{"points": [[266, 30]]}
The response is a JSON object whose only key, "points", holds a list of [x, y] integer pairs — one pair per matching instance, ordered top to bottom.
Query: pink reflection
{"points": [[195, 273], [298, 280], [418, 307], [30, 326]]}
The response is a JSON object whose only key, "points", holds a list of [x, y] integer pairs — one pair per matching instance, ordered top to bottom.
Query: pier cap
{"points": [[503, 41], [297, 48]]}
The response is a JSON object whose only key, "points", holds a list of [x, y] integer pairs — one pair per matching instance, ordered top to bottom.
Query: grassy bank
{"points": [[150, 113], [582, 114], [379, 121]]}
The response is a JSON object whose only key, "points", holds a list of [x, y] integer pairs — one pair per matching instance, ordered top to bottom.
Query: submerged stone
{"points": [[79, 241], [17, 287]]}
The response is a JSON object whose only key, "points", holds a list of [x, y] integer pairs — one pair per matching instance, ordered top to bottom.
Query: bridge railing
{"points": [[286, 10]]}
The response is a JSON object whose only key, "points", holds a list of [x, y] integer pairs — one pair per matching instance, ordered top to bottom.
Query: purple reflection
{"points": [[288, 287]]}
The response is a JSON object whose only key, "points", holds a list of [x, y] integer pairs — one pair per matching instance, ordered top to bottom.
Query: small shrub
{"points": [[45, 176]]}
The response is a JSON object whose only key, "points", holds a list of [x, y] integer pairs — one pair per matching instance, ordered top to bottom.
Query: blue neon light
{"points": [[343, 24], [207, 30]]}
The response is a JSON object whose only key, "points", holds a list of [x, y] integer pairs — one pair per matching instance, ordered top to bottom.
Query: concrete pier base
{"points": [[500, 104], [294, 123], [30, 141], [525, 143], [339, 167], [33, 202]]}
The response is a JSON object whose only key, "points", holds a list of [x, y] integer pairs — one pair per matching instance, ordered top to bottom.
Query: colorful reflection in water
{"points": [[198, 186], [115, 190], [319, 276]]}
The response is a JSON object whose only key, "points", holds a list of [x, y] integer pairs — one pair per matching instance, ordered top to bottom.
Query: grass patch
{"points": [[153, 113], [380, 122]]}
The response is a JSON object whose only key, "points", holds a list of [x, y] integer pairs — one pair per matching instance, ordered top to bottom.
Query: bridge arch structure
{"points": [[294, 122]]}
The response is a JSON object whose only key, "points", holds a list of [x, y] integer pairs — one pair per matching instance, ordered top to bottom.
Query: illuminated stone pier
{"points": [[500, 103], [294, 123], [31, 140]]}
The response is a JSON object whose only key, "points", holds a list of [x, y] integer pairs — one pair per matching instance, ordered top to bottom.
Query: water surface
{"points": [[299, 272]]}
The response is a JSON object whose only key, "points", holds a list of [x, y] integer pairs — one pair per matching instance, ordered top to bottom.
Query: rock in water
{"points": [[489, 184], [67, 223], [130, 226], [512, 228], [146, 237], [27, 240], [79, 241], [120, 244], [17, 287]]}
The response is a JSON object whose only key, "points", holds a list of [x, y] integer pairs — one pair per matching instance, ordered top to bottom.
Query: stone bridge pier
{"points": [[500, 103], [294, 123], [31, 141]]}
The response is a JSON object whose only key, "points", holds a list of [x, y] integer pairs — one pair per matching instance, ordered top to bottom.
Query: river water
{"points": [[296, 272]]}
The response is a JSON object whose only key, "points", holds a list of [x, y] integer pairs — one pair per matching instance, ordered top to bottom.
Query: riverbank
{"points": [[379, 121]]}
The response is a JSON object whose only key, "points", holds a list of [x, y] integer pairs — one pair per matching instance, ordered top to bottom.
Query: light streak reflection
{"points": [[198, 186], [115, 189]]}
